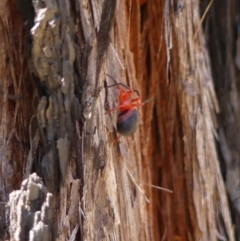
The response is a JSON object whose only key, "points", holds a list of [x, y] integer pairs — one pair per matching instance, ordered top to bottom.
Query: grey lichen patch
{"points": [[46, 40], [53, 54], [52, 59], [67, 84], [87, 101], [41, 115], [51, 115], [63, 152], [48, 167], [33, 191], [29, 219], [40, 232]]}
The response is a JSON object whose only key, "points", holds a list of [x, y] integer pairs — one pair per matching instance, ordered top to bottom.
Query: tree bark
{"points": [[224, 54], [82, 180]]}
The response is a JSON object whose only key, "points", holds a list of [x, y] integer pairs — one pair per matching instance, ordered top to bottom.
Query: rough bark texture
{"points": [[224, 45], [55, 122]]}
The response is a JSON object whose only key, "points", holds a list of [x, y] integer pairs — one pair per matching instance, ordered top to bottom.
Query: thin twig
{"points": [[139, 189]]}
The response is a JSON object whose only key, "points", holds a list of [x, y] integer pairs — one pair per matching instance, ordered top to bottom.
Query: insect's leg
{"points": [[112, 78], [116, 83], [121, 84], [136, 99], [106, 103], [121, 107]]}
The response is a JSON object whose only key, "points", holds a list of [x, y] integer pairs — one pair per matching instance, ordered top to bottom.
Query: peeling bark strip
{"points": [[98, 41], [224, 42], [198, 106]]}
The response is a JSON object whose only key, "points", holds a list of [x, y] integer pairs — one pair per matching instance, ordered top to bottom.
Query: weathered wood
{"points": [[223, 43], [183, 145], [100, 183], [30, 212]]}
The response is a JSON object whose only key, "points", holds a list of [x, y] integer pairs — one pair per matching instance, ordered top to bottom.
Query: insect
{"points": [[128, 117]]}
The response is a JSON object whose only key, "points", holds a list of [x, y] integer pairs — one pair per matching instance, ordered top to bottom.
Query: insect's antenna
{"points": [[112, 79], [116, 83], [125, 86], [137, 92]]}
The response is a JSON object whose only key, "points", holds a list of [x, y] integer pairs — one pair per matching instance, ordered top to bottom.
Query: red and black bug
{"points": [[128, 117]]}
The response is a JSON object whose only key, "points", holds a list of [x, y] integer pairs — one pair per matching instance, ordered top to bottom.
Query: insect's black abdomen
{"points": [[127, 122]]}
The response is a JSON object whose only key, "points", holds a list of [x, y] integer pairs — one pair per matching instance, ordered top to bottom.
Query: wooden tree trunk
{"points": [[225, 56], [83, 181]]}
